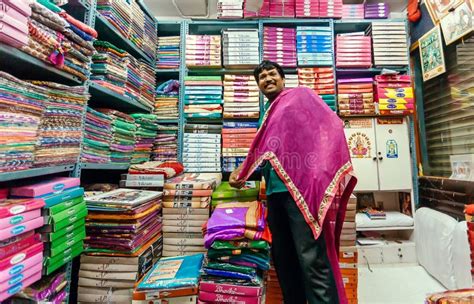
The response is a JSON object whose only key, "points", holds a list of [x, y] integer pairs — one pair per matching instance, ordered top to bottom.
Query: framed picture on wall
{"points": [[440, 8], [457, 23], [431, 54]]}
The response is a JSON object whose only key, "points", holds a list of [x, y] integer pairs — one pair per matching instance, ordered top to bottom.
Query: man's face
{"points": [[270, 83]]}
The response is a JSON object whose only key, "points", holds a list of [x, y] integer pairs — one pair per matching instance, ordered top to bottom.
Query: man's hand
{"points": [[233, 181]]}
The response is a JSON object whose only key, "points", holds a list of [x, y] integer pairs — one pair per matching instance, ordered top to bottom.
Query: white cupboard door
{"points": [[360, 136], [393, 154]]}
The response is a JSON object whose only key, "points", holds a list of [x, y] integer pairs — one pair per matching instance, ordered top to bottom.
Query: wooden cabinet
{"points": [[380, 153]]}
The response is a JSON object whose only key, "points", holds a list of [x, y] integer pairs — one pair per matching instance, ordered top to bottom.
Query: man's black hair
{"points": [[267, 65]]}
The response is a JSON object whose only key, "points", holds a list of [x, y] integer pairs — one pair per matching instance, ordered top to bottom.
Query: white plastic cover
{"points": [[434, 233], [461, 257]]}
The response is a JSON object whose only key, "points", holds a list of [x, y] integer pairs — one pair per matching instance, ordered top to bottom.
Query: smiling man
{"points": [[307, 193]]}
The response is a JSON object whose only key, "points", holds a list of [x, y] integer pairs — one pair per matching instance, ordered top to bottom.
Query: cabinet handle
{"points": [[374, 158], [380, 158]]}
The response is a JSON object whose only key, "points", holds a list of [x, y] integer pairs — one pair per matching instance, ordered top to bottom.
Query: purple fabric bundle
{"points": [[376, 11]]}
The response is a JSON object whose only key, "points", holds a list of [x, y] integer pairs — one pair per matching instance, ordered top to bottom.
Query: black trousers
{"points": [[301, 262]]}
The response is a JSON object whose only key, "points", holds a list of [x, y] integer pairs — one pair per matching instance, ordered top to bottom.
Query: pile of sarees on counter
{"points": [[59, 39], [109, 67], [166, 100], [21, 107], [60, 131], [123, 136], [144, 136], [97, 137], [165, 147], [185, 209], [237, 237], [123, 242]]}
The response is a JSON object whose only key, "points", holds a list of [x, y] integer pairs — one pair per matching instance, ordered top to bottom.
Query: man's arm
{"points": [[233, 181]]}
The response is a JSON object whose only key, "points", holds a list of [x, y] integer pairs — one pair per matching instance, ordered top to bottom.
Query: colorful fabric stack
{"points": [[282, 8], [307, 8], [330, 8], [230, 9], [264, 10], [353, 11], [376, 11], [117, 13], [15, 23], [137, 24], [56, 38], [150, 39], [390, 43], [279, 45], [314, 45], [240, 48], [353, 50], [203, 51], [168, 52], [109, 67], [134, 79], [321, 80], [291, 81], [147, 90], [394, 94], [355, 96], [203, 97], [241, 97], [167, 99], [21, 107], [60, 131], [144, 136], [97, 137], [236, 140], [122, 142], [165, 147], [202, 148], [168, 169], [142, 181], [227, 194], [186, 208], [65, 213], [123, 242], [21, 251], [238, 254], [348, 258], [179, 285], [51, 289], [451, 296]]}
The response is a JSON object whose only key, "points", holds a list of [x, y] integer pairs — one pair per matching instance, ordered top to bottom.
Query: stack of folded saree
{"points": [[117, 13], [137, 25], [150, 38], [59, 39], [168, 52], [109, 67], [134, 79], [147, 90], [203, 97], [241, 97], [166, 100], [21, 107], [60, 131], [123, 136], [97, 137], [144, 137], [236, 140], [166, 143], [226, 194], [185, 209], [237, 237], [123, 242], [50, 289]]}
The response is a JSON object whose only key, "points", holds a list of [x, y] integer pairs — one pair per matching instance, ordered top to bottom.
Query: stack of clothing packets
{"points": [[279, 45], [314, 45], [240, 48], [353, 50], [203, 51], [109, 67], [321, 80], [394, 94], [355, 96], [241, 97], [203, 98], [167, 100], [145, 136], [97, 137], [236, 140], [165, 146], [202, 148], [185, 209]]}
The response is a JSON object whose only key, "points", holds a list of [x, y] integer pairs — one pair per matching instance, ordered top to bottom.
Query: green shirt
{"points": [[273, 183]]}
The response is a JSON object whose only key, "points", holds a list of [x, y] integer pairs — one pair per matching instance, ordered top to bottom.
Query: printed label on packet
{"points": [[17, 209], [17, 258]]}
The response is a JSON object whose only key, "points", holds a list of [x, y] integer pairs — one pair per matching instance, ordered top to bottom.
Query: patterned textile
{"points": [[168, 169]]}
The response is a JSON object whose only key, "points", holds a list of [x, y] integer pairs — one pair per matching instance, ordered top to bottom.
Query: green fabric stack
{"points": [[145, 136]]}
